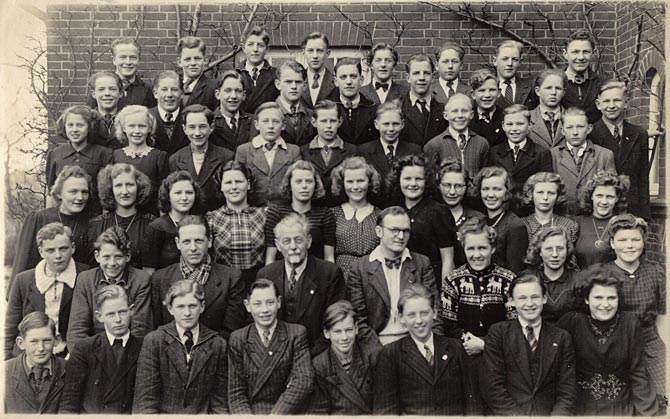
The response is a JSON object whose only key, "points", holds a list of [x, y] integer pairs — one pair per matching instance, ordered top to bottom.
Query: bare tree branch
{"points": [[236, 47], [638, 47]]}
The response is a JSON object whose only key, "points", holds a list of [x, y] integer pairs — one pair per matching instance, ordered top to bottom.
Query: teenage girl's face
{"points": [[551, 91], [137, 127], [76, 128], [413, 182], [356, 184], [302, 185], [234, 186], [452, 188], [493, 192], [73, 195], [545, 195], [182, 196], [604, 200], [628, 245], [554, 252]]}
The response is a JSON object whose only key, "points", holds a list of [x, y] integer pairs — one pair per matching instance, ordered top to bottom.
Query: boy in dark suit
{"points": [[383, 59], [449, 61], [258, 73], [320, 80], [583, 83], [197, 87], [513, 88], [106, 91], [422, 112], [487, 118], [232, 127], [169, 135], [628, 142], [528, 365], [183, 366], [270, 370], [422, 373], [100, 376], [34, 379]]}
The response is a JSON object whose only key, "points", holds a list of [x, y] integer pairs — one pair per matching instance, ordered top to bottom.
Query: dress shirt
{"points": [[250, 68], [570, 74], [454, 85], [503, 86], [189, 87], [380, 92], [314, 93], [413, 98], [354, 102], [557, 112], [164, 113], [229, 118], [612, 126], [454, 134], [259, 142], [521, 145], [386, 146], [580, 149], [298, 270], [52, 287], [537, 326], [271, 330], [196, 333], [111, 338], [430, 344], [28, 366]]}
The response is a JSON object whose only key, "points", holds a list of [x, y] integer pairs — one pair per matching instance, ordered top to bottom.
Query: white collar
{"points": [[250, 67], [311, 73], [570, 74], [375, 80], [454, 84], [502, 85], [413, 98], [354, 102], [287, 106], [557, 112], [163, 113], [228, 118], [611, 126], [454, 134], [258, 142], [522, 144], [386, 146], [581, 147], [360, 213], [378, 255], [299, 270], [44, 282], [537, 326], [271, 330], [195, 331], [111, 338], [430, 343]]}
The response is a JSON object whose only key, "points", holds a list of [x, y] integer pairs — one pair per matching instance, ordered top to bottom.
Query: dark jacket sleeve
{"points": [[517, 244], [27, 255], [356, 295], [235, 313], [13, 316], [142, 319], [80, 324], [76, 371], [492, 375], [238, 380], [301, 381], [148, 386], [642, 389], [566, 390], [386, 391], [219, 400]]}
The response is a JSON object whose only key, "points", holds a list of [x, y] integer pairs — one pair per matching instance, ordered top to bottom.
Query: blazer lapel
{"points": [[327, 86], [197, 91], [407, 112], [362, 120], [539, 128], [628, 143], [526, 158], [258, 159], [317, 159], [335, 159], [280, 160], [568, 162], [588, 162], [208, 165], [407, 273], [378, 282], [213, 289], [308, 289], [35, 298], [278, 345], [254, 346], [549, 347], [518, 349], [175, 353], [104, 355], [200, 356], [442, 356], [128, 361], [415, 361], [345, 382], [56, 386], [23, 388]]}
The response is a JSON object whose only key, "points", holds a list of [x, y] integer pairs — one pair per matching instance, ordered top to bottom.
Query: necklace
{"points": [[500, 217], [116, 221], [599, 242], [602, 336]]}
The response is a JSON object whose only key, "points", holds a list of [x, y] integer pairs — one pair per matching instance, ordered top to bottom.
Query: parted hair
{"points": [[258, 31], [315, 35], [580, 35], [125, 41], [191, 42], [509, 44], [381, 46], [447, 46], [420, 58], [349, 61], [292, 65], [101, 74], [166, 74], [233, 74], [479, 77], [539, 80], [613, 84], [324, 105], [392, 105], [268, 106], [197, 108], [517, 109], [127, 111], [573, 111], [91, 116], [418, 160], [354, 163], [234, 165], [453, 165], [489, 172], [65, 174], [543, 177], [106, 178], [620, 183], [167, 184], [319, 190], [393, 210], [194, 220], [626, 222], [476, 225], [50, 231], [117, 237], [534, 251], [603, 274], [526, 279], [262, 283], [181, 288], [415, 291], [109, 292], [337, 312], [35, 320]]}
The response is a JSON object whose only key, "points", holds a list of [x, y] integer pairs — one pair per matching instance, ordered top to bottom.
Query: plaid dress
{"points": [[239, 238]]}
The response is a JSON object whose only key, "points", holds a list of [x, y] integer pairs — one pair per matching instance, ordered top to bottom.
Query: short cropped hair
{"points": [[258, 31], [315, 35], [580, 35], [125, 41], [191, 42], [509, 44], [447, 46], [381, 47], [420, 58], [349, 61], [293, 65], [101, 74], [166, 74], [232, 74], [479, 77], [539, 80], [614, 84], [455, 96], [324, 105], [392, 105], [268, 106], [197, 108], [517, 109], [127, 111], [573, 111], [91, 116], [408, 161], [354, 163], [234, 165], [489, 172], [65, 174], [543, 177], [106, 178], [620, 183], [167, 184], [319, 190], [394, 210], [194, 220], [291, 220], [626, 222], [476, 225], [50, 231], [117, 237], [534, 252], [603, 274], [526, 279], [262, 283], [184, 287], [415, 291], [109, 292], [337, 312], [36, 320]]}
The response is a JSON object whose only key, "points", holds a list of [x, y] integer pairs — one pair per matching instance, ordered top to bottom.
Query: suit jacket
{"points": [[325, 90], [398, 90], [263, 91], [139, 92], [204, 93], [525, 94], [441, 95], [584, 96], [361, 127], [416, 130], [492, 130], [539, 133], [299, 134], [103, 136], [224, 136], [169, 144], [314, 156], [532, 158], [595, 158], [632, 159], [210, 174], [267, 179], [321, 284], [224, 292], [368, 292], [24, 298], [505, 378], [277, 379], [94, 384], [166, 384], [405, 384], [339, 392], [19, 395]]}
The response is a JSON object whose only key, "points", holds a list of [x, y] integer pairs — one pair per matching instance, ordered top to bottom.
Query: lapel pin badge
{"points": [[311, 291], [555, 344], [270, 353], [444, 357]]}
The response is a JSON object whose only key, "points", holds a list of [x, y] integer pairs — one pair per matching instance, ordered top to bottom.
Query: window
{"points": [[655, 110]]}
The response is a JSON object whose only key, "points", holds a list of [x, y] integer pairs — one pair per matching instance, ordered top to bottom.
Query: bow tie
{"points": [[383, 86], [393, 263]]}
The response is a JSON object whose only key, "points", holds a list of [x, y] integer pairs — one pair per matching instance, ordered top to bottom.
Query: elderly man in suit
{"points": [[383, 59], [320, 80], [513, 88], [232, 126], [169, 135], [202, 159], [375, 280], [306, 284], [224, 288], [528, 364], [183, 366], [270, 370], [422, 373], [100, 375], [34, 379]]}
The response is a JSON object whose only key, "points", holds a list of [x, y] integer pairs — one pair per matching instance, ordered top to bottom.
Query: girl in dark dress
{"points": [[612, 376]]}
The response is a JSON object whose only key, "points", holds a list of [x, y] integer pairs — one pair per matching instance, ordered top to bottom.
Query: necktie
{"points": [[254, 75], [315, 84], [126, 85], [450, 85], [383, 86], [509, 94], [422, 106], [294, 109], [485, 117], [168, 118], [550, 121], [169, 124], [233, 124], [617, 135], [462, 142], [269, 146], [516, 152], [389, 155], [575, 156], [393, 263], [292, 280], [530, 336], [266, 338], [189, 341], [117, 348], [429, 355], [37, 377]]}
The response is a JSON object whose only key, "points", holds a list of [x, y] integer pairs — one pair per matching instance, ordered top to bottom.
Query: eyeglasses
{"points": [[458, 187], [396, 231]]}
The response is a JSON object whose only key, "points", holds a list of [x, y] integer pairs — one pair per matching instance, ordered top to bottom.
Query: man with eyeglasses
{"points": [[375, 280], [307, 285]]}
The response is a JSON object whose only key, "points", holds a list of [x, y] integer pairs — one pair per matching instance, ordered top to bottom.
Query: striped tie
{"points": [[530, 336], [429, 355]]}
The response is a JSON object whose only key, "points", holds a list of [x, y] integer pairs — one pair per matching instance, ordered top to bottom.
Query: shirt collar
{"points": [[250, 68], [311, 73], [570, 74], [375, 80], [454, 84], [502, 85], [413, 98], [354, 103], [286, 107], [557, 112], [163, 113], [611, 126], [455, 134], [258, 142], [317, 143], [522, 144], [385, 145], [581, 147], [86, 151], [378, 255], [299, 270], [101, 277], [43, 282], [536, 326], [271, 330], [195, 331], [111, 338], [430, 343], [28, 365]]}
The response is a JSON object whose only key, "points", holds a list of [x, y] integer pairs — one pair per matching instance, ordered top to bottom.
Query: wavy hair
{"points": [[418, 160], [354, 163], [489, 172], [65, 174], [543, 177], [106, 181], [620, 183], [167, 184], [319, 190], [534, 252]]}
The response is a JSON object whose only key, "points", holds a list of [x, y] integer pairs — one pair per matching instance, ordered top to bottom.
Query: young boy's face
{"points": [[254, 49], [315, 53], [578, 55], [126, 58], [192, 62], [507, 62], [383, 64], [449, 65], [419, 77], [348, 80], [290, 85], [551, 91], [106, 93], [168, 94], [231, 95], [485, 95], [612, 103], [458, 112], [326, 122], [270, 123], [389, 124], [516, 127], [76, 128], [197, 129], [575, 129], [478, 250], [57, 252], [112, 260], [528, 300], [263, 304], [186, 310], [115, 314], [418, 316], [342, 335], [38, 344]]}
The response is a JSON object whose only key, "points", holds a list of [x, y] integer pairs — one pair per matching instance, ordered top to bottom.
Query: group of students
{"points": [[285, 240]]}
